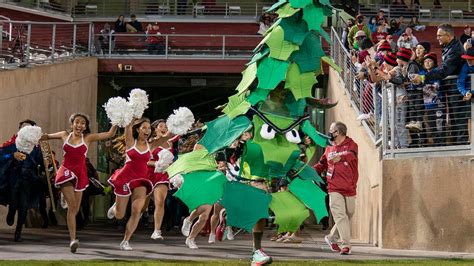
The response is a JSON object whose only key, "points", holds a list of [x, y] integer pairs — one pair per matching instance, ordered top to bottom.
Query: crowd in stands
{"points": [[106, 39], [430, 110]]}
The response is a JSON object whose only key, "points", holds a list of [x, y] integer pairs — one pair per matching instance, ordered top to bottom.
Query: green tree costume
{"points": [[271, 100]]}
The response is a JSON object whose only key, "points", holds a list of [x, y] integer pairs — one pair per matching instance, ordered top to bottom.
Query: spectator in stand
{"points": [[437, 4], [380, 18], [265, 23], [120, 24], [372, 24], [416, 24], [134, 26], [360, 26], [401, 26], [345, 32], [380, 34], [466, 34], [360, 35], [106, 40], [407, 40], [155, 41], [392, 43], [382, 49], [421, 49], [451, 64], [399, 78], [464, 81], [465, 87], [414, 96], [432, 98], [340, 162]]}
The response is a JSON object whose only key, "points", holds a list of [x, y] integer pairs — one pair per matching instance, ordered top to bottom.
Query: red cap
{"points": [[384, 46], [404, 54], [431, 56], [390, 59]]}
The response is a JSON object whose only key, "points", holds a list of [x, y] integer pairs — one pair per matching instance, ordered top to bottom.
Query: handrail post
{"points": [[1, 36], [74, 37], [91, 38], [28, 42], [53, 43], [110, 43], [166, 46], [223, 46], [374, 99], [472, 116], [384, 119], [392, 121]]}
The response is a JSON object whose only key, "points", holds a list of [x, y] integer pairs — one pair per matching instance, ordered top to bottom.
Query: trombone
{"points": [[47, 158]]}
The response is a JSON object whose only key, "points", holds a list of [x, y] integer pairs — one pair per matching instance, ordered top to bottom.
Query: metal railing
{"points": [[43, 5], [107, 8], [113, 8], [450, 11], [25, 43], [175, 46], [363, 96], [425, 119]]}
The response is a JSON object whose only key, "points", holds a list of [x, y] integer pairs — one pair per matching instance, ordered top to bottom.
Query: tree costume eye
{"points": [[267, 132], [293, 136]]}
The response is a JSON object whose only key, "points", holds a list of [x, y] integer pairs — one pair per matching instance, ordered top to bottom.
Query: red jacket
{"points": [[9, 142], [342, 176]]}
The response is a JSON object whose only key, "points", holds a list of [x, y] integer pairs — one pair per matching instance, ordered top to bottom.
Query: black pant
{"points": [[415, 106], [459, 113], [436, 125], [19, 202]]}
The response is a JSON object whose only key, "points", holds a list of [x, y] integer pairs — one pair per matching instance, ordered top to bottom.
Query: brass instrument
{"points": [[48, 157]]}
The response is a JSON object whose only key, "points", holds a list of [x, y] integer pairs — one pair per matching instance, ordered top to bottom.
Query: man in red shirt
{"points": [[341, 166]]}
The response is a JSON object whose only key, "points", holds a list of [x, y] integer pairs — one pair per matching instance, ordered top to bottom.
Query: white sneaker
{"points": [[63, 202], [111, 212], [186, 228], [229, 233], [157, 235], [212, 238], [191, 244], [74, 245], [124, 245]]}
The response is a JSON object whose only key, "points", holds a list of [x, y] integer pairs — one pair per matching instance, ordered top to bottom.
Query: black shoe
{"points": [[18, 236]]}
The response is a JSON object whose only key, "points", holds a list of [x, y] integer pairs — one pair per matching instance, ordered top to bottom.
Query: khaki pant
{"points": [[342, 209]]}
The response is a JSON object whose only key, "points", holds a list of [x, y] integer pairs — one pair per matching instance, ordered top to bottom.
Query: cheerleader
{"points": [[162, 156], [71, 177], [132, 179]]}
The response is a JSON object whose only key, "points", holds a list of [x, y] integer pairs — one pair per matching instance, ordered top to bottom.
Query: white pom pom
{"points": [[139, 101], [119, 111], [180, 121], [27, 138], [165, 159], [177, 181]]}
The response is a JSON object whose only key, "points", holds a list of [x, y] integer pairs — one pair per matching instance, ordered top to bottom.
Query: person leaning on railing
{"points": [[451, 63], [435, 108]]}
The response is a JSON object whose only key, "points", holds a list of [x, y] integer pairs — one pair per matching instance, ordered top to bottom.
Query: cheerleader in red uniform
{"points": [[161, 142], [71, 177], [132, 179]]}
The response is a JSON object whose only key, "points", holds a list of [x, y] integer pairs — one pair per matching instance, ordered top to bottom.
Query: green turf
{"points": [[240, 262]]}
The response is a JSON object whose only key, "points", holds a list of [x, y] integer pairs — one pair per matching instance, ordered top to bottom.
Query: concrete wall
{"points": [[48, 94], [428, 203], [366, 221]]}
